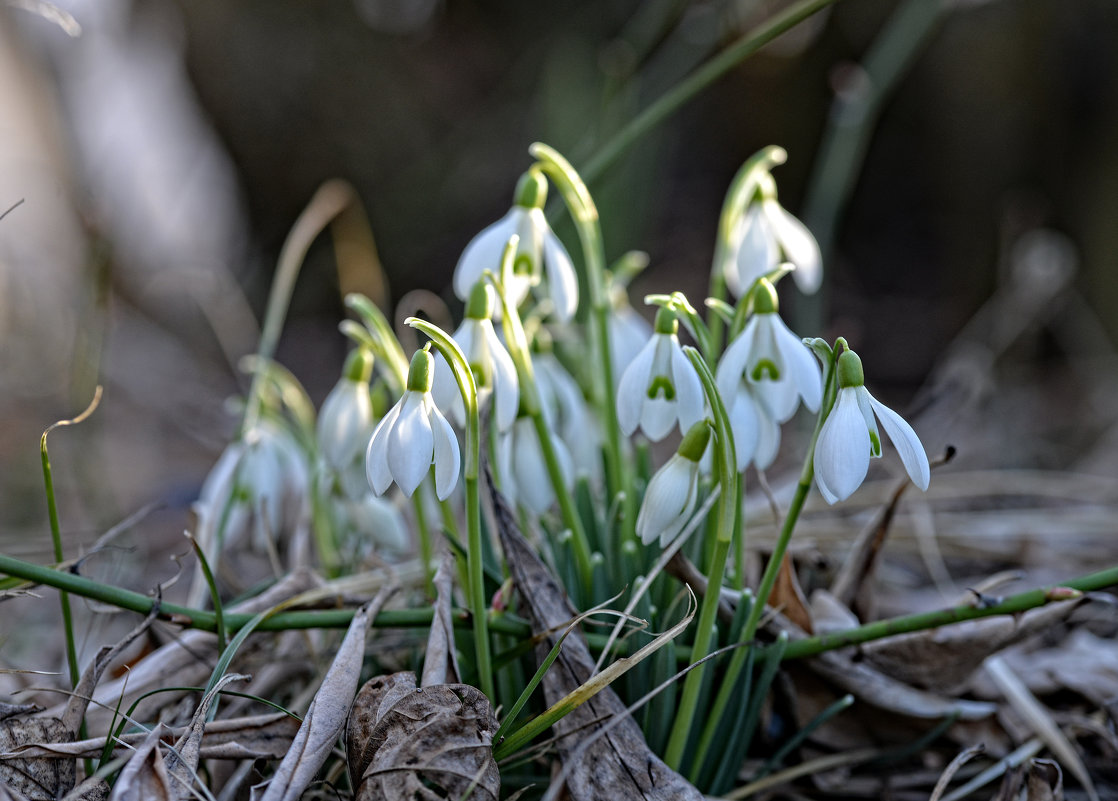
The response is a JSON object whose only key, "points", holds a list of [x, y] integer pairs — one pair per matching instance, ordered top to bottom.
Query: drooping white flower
{"points": [[765, 234], [539, 253], [492, 366], [778, 366], [660, 386], [567, 412], [346, 421], [756, 434], [413, 436], [850, 436], [523, 470], [672, 492]]}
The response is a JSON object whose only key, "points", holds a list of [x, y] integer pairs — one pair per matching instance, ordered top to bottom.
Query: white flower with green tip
{"points": [[764, 236], [539, 253], [492, 366], [778, 366], [660, 386], [346, 420], [413, 436], [850, 436], [672, 493]]}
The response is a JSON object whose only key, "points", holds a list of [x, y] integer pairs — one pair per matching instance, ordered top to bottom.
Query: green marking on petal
{"points": [[522, 265], [765, 369], [481, 374], [661, 385], [875, 444]]}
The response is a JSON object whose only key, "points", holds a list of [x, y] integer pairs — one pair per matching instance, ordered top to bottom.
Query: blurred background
{"points": [[957, 160]]}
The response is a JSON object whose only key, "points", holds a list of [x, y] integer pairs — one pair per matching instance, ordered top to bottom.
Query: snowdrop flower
{"points": [[764, 233], [538, 247], [627, 330], [489, 361], [778, 366], [660, 386], [566, 410], [345, 421], [756, 434], [411, 437], [849, 437], [524, 476], [672, 493]]}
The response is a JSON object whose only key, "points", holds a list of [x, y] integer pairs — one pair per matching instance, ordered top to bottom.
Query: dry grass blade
{"points": [[327, 714], [1040, 721], [622, 767], [949, 772]]}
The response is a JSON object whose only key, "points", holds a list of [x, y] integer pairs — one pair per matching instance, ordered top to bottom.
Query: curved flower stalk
{"points": [[756, 233], [539, 252], [492, 366], [778, 367], [660, 387], [346, 419], [413, 436], [849, 437], [524, 472], [673, 491]]}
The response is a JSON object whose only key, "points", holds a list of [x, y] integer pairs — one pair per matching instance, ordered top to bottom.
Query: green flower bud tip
{"points": [[531, 190], [765, 300], [480, 305], [666, 322], [359, 365], [850, 370], [420, 374], [694, 443]]}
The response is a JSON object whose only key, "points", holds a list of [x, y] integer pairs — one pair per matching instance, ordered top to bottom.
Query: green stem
{"points": [[672, 100], [328, 202], [585, 215], [471, 470], [729, 510], [56, 539]]}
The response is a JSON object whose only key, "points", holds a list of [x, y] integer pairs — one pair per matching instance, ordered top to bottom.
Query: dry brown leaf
{"points": [[788, 597], [943, 659], [440, 665], [327, 714], [421, 743], [183, 760], [622, 766], [145, 776], [37, 779], [93, 788], [8, 794]]}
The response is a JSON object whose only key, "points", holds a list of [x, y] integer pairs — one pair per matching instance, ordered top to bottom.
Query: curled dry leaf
{"points": [[440, 666], [326, 716], [421, 743], [183, 760], [623, 766], [145, 776]]}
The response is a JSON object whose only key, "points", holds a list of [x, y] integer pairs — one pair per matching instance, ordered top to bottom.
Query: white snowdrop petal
{"points": [[799, 247], [756, 252], [483, 253], [562, 284], [628, 331], [731, 367], [801, 367], [506, 386], [633, 389], [445, 391], [863, 396], [689, 397], [658, 418], [745, 426], [768, 440], [906, 442], [411, 443], [842, 452], [446, 453], [376, 455], [533, 484], [665, 499], [668, 535]]}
